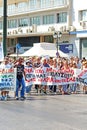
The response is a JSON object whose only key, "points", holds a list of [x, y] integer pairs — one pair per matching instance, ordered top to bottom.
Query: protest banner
{"points": [[1, 52], [49, 76], [82, 77], [7, 79]]}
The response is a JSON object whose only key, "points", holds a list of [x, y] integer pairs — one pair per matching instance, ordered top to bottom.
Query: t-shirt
{"points": [[37, 65], [20, 71]]}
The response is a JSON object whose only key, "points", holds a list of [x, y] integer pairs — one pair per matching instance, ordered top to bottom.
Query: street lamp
{"points": [[57, 35]]}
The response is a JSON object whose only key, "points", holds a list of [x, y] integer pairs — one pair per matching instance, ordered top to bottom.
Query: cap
{"points": [[28, 61]]}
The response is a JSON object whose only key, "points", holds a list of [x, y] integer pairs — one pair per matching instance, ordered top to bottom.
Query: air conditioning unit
{"points": [[82, 23], [34, 28], [61, 28], [64, 28], [67, 28], [72, 28], [51, 29], [20, 30], [28, 30], [14, 32], [9, 33]]}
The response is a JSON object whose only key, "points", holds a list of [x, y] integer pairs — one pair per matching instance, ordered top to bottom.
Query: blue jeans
{"points": [[22, 83], [73, 87], [28, 88], [64, 88]]}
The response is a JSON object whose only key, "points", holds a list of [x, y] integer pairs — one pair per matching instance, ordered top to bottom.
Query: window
{"points": [[60, 2], [45, 3], [51, 3], [32, 4], [38, 4], [22, 6], [11, 8], [1, 11], [83, 15], [62, 17], [48, 19], [35, 20], [22, 22], [12, 23], [0, 24], [48, 39], [12, 42], [83, 47]]}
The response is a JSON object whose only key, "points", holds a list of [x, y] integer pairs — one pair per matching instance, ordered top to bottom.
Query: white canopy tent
{"points": [[43, 49], [15, 55]]}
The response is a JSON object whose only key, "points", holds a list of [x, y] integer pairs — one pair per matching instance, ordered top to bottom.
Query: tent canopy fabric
{"points": [[43, 49], [15, 55]]}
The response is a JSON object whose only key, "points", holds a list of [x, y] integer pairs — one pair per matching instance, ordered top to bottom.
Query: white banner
{"points": [[1, 52], [49, 76], [7, 79]]}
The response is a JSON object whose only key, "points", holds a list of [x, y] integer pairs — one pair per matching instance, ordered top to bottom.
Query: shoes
{"points": [[45, 92], [8, 96], [4, 98], [17, 98], [23, 98]]}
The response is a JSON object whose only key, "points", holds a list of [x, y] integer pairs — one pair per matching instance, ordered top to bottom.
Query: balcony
{"points": [[37, 5]]}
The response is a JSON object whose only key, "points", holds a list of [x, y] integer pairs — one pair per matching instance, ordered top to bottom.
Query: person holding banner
{"points": [[37, 64], [5, 65], [28, 65], [45, 65], [65, 68], [20, 81], [84, 84]]}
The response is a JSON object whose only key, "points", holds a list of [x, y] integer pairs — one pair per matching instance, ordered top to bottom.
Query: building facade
{"points": [[34, 21]]}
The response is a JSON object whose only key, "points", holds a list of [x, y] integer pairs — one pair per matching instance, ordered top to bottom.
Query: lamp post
{"points": [[4, 26], [57, 35]]}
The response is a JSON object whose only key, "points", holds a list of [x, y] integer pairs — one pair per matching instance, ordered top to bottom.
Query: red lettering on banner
{"points": [[48, 69], [10, 70], [28, 70], [2, 71], [39, 71], [72, 71], [82, 73], [33, 79], [48, 79], [71, 79], [28, 80], [41, 80], [64, 80], [57, 81]]}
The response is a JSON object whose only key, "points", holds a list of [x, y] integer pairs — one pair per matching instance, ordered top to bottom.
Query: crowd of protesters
{"points": [[37, 62]]}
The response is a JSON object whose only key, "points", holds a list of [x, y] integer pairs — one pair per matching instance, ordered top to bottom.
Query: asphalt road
{"points": [[58, 112]]}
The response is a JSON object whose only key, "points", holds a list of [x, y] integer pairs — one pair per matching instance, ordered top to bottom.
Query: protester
{"points": [[37, 64], [27, 66], [44, 66], [59, 66], [20, 81], [5, 91]]}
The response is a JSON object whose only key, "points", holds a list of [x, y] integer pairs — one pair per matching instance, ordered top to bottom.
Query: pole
{"points": [[4, 26], [57, 47], [17, 52]]}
